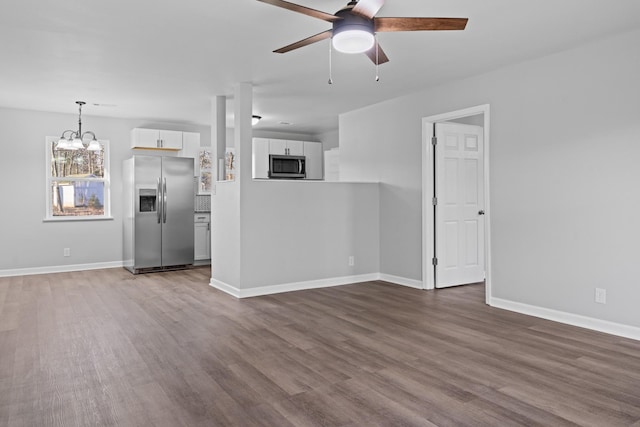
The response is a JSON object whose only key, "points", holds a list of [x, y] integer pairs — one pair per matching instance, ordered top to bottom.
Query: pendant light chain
{"points": [[80, 104]]}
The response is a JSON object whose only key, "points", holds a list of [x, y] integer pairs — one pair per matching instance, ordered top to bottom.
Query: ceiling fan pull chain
{"points": [[377, 48], [330, 51]]}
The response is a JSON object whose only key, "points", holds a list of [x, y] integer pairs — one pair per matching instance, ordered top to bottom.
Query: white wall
{"points": [[475, 120], [257, 133], [330, 139], [388, 150], [564, 176], [302, 231], [284, 233], [26, 241]]}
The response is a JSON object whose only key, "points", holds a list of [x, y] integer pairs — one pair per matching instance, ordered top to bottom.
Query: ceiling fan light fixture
{"points": [[353, 40]]}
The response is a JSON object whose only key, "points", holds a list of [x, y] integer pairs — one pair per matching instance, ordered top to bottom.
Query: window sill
{"points": [[77, 218]]}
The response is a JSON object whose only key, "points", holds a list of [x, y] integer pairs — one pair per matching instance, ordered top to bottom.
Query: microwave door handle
{"points": [[299, 167], [159, 202]]}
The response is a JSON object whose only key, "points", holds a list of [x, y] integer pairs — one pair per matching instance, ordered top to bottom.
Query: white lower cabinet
{"points": [[202, 237]]}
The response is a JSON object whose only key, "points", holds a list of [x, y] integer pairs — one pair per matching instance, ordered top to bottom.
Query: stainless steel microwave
{"points": [[281, 166]]}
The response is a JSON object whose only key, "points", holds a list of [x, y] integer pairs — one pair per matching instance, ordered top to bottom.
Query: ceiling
{"points": [[164, 60]]}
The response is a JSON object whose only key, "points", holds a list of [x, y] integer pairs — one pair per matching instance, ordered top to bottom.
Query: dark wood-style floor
{"points": [[108, 348]]}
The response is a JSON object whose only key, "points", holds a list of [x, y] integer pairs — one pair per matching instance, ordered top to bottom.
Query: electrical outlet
{"points": [[67, 252], [352, 261], [601, 296]]}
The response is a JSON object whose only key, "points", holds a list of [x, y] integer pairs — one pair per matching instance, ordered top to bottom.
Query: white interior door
{"points": [[459, 214]]}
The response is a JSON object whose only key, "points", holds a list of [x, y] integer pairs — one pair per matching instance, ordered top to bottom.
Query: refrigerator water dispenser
{"points": [[148, 198]]}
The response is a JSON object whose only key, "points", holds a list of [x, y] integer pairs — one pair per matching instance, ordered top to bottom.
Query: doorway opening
{"points": [[456, 244]]}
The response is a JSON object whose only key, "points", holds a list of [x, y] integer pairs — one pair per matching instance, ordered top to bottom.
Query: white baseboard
{"points": [[59, 269], [397, 280], [224, 287], [290, 287], [605, 326]]}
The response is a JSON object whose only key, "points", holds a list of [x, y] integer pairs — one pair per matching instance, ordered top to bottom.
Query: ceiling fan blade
{"points": [[367, 8], [303, 9], [419, 24], [309, 40], [381, 58]]}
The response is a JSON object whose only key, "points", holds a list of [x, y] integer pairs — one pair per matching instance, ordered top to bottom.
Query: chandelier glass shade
{"points": [[74, 139]]}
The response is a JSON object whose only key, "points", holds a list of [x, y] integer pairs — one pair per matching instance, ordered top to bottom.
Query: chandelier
{"points": [[74, 139]]}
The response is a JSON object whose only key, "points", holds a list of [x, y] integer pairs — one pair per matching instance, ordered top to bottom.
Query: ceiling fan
{"points": [[355, 26]]}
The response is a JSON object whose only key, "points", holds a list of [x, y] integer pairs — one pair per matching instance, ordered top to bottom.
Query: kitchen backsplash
{"points": [[203, 203]]}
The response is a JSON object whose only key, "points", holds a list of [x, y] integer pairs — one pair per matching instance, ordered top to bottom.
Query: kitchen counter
{"points": [[314, 180]]}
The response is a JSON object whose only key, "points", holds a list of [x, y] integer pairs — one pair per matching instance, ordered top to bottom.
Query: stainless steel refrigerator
{"points": [[158, 213]]}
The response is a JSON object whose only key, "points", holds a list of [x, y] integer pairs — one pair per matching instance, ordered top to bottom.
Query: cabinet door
{"points": [[145, 138], [171, 140], [277, 146], [295, 148], [313, 154], [260, 158], [201, 241]]}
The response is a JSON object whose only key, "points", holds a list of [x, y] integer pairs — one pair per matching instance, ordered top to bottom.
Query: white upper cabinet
{"points": [[156, 139], [170, 140], [277, 146], [286, 147], [295, 148], [260, 158], [313, 163]]}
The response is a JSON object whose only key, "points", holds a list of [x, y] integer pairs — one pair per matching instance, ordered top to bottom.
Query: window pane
{"points": [[205, 158], [77, 163], [205, 182], [77, 198]]}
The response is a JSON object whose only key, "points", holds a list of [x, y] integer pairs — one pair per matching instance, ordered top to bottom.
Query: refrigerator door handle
{"points": [[164, 200], [159, 207]]}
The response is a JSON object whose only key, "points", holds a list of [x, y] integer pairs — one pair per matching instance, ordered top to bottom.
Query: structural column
{"points": [[219, 133], [227, 215]]}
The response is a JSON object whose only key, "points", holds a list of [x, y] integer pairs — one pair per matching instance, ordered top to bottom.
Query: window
{"points": [[204, 170], [77, 182]]}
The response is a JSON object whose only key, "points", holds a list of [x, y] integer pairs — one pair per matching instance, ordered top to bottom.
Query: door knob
{"points": [[480, 212]]}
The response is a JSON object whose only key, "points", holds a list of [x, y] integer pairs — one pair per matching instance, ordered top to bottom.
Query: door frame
{"points": [[428, 234]]}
